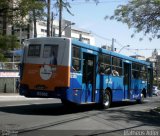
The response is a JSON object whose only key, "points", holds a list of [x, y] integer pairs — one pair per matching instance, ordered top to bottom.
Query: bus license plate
{"points": [[43, 94]]}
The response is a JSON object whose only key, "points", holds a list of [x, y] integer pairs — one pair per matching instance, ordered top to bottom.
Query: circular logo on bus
{"points": [[46, 72]]}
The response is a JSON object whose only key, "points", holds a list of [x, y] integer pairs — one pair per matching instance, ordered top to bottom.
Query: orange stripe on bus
{"points": [[50, 76]]}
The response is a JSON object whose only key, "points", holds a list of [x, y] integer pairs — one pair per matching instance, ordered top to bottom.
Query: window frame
{"points": [[51, 50], [33, 52], [76, 58], [117, 66], [104, 67]]}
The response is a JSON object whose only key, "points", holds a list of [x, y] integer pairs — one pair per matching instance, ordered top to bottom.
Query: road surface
{"points": [[48, 117]]}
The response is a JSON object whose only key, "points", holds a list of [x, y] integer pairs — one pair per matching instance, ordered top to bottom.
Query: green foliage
{"points": [[66, 5], [26, 8], [18, 14], [143, 15], [7, 43]]}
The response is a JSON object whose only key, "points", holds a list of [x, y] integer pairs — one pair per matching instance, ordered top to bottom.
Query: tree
{"points": [[60, 4], [64, 4], [15, 13], [37, 14], [143, 15], [7, 43]]}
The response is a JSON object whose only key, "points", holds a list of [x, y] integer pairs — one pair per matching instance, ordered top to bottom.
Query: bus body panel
{"points": [[39, 78], [137, 86], [117, 89], [75, 91]]}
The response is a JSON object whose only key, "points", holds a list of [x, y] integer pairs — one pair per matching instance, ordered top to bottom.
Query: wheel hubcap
{"points": [[142, 97], [106, 99]]}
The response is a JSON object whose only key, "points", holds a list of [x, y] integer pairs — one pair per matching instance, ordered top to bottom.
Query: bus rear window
{"points": [[34, 50], [50, 50]]}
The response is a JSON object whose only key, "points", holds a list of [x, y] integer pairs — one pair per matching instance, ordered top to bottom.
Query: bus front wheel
{"points": [[106, 99]]}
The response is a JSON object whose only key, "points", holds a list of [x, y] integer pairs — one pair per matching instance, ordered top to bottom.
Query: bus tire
{"points": [[106, 99], [141, 100]]}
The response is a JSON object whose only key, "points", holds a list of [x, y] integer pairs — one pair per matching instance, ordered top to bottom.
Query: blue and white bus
{"points": [[81, 73]]}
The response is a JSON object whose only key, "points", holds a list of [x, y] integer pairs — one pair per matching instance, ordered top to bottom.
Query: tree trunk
{"points": [[48, 18], [60, 18], [4, 23], [34, 23], [52, 25], [12, 30], [28, 31]]}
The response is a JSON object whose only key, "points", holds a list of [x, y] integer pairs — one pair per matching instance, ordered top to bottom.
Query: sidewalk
{"points": [[9, 94], [14, 97]]}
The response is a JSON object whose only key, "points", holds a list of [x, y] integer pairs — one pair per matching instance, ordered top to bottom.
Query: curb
{"points": [[11, 96], [16, 98]]}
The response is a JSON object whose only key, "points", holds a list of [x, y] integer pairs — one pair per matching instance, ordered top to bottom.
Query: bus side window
{"points": [[76, 60], [104, 64], [75, 65], [116, 66], [101, 69], [107, 70], [136, 70], [115, 72]]}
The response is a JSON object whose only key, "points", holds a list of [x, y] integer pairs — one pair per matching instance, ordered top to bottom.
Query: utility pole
{"points": [[48, 18], [60, 18], [52, 25], [112, 46]]}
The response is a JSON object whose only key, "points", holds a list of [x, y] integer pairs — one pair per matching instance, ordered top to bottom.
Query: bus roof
{"points": [[95, 48], [101, 50]]}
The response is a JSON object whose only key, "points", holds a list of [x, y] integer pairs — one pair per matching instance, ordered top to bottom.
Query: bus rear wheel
{"points": [[106, 99]]}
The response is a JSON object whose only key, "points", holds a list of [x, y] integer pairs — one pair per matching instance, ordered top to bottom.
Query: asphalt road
{"points": [[49, 117]]}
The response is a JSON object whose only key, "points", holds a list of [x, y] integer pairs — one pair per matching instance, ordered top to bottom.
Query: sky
{"points": [[89, 16]]}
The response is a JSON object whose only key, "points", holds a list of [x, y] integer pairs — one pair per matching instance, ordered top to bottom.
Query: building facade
{"points": [[68, 30], [138, 57], [155, 59]]}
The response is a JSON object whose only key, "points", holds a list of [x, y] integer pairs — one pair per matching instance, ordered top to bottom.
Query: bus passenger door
{"points": [[89, 78], [127, 80]]}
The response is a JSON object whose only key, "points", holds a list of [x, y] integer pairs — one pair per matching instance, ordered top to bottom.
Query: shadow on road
{"points": [[55, 108], [46, 109]]}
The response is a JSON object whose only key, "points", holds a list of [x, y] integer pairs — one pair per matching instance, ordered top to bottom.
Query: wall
{"points": [[8, 81], [7, 85]]}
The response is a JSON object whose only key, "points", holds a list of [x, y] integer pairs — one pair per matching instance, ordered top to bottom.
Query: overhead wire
{"points": [[99, 2]]}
